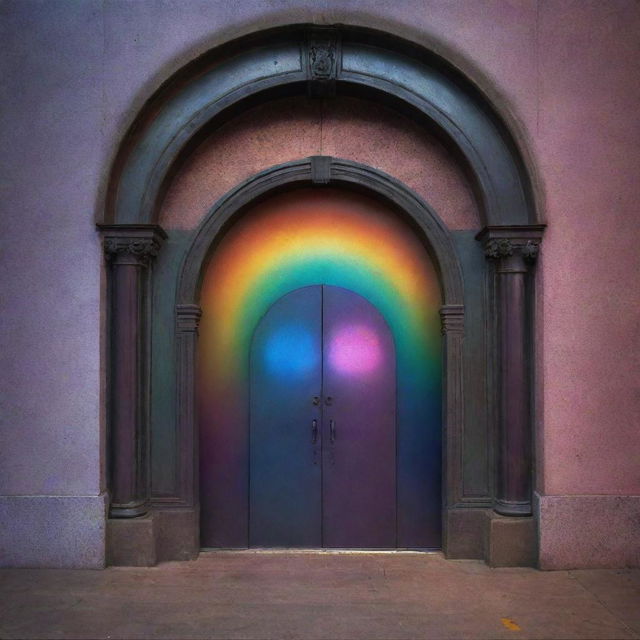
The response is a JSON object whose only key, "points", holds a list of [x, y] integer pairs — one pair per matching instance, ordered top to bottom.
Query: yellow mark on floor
{"points": [[510, 624]]}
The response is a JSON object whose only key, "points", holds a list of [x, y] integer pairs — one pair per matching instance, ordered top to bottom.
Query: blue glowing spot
{"points": [[291, 350]]}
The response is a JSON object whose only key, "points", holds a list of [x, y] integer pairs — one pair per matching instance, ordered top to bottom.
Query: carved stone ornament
{"points": [[322, 57], [504, 241], [500, 248], [503, 248], [144, 249], [530, 251]]}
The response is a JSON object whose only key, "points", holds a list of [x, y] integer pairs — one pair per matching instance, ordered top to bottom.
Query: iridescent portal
{"points": [[311, 237]]}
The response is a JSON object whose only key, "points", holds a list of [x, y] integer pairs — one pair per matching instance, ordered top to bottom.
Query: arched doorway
{"points": [[340, 241], [486, 313]]}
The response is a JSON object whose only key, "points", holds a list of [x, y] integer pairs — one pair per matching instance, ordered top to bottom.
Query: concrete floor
{"points": [[319, 595]]}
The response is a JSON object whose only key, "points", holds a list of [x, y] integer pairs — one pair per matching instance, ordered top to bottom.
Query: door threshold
{"points": [[295, 550]]}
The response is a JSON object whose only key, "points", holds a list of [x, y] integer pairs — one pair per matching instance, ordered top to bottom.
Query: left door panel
{"points": [[285, 502]]}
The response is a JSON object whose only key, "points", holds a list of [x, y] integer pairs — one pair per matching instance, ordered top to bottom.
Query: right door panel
{"points": [[359, 424]]}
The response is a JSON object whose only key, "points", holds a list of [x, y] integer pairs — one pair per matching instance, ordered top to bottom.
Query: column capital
{"points": [[509, 243], [135, 244], [188, 317], [452, 319]]}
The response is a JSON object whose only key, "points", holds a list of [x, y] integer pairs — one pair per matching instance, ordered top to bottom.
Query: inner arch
{"points": [[307, 237]]}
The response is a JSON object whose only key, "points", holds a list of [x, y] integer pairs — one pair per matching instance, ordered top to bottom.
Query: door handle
{"points": [[314, 431], [332, 431]]}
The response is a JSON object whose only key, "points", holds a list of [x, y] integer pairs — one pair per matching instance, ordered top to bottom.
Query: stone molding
{"points": [[501, 242], [131, 244], [188, 317], [452, 319]]}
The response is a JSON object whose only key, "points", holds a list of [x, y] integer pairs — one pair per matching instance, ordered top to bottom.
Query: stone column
{"points": [[514, 250], [129, 251]]}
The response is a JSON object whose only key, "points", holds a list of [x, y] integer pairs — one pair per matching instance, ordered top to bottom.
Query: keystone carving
{"points": [[322, 51], [322, 58]]}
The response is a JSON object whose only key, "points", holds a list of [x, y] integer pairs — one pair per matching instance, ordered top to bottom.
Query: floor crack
{"points": [[616, 616]]}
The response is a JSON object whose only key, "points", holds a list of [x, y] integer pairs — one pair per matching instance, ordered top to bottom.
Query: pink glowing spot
{"points": [[354, 349]]}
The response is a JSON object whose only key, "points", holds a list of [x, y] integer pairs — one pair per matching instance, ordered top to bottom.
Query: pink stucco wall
{"points": [[564, 73], [295, 128], [585, 139]]}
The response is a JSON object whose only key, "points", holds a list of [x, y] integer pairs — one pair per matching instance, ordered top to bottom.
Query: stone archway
{"points": [[320, 62], [325, 172]]}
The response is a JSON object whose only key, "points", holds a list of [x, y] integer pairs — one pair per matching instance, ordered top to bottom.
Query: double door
{"points": [[322, 467]]}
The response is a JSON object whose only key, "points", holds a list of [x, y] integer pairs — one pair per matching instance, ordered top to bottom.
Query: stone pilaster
{"points": [[514, 250], [129, 251], [452, 319], [187, 322]]}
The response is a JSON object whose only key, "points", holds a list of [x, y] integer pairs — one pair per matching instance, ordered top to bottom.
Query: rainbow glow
{"points": [[307, 237]]}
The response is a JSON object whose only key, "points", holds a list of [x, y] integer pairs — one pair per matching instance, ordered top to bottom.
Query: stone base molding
{"points": [[53, 531], [463, 531], [588, 531], [483, 534], [159, 536], [131, 542], [510, 542]]}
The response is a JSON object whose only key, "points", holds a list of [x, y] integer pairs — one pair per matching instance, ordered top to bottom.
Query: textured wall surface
{"points": [[564, 73], [294, 128], [53, 531], [581, 532]]}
